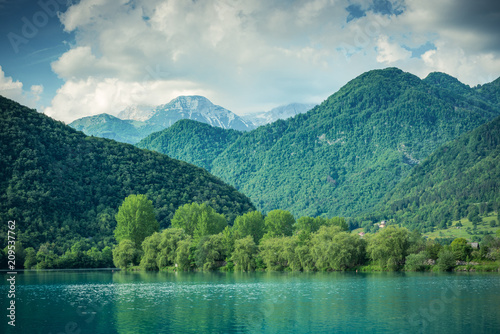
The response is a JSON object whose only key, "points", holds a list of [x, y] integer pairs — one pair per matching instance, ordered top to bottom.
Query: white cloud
{"points": [[390, 52], [250, 54], [14, 90], [96, 96]]}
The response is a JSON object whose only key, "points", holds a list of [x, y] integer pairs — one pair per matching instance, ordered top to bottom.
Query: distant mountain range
{"points": [[281, 112], [136, 122], [342, 157]]}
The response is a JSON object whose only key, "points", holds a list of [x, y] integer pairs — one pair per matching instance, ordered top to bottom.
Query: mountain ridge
{"points": [[135, 123], [341, 157]]}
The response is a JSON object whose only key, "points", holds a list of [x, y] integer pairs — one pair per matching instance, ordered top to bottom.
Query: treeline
{"points": [[201, 239], [81, 255]]}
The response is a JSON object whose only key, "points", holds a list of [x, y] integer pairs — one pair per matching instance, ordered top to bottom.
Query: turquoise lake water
{"points": [[118, 302]]}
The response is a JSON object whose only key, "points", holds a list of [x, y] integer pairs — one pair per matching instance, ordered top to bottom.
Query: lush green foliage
{"points": [[191, 141], [344, 155], [461, 179], [62, 186], [135, 219], [198, 220], [279, 223], [250, 224], [389, 247], [125, 254], [244, 254]]}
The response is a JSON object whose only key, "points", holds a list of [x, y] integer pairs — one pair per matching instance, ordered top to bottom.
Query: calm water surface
{"points": [[117, 302]]}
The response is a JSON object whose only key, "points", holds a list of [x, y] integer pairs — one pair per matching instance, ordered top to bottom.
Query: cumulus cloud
{"points": [[390, 52], [250, 55], [14, 90], [111, 96]]}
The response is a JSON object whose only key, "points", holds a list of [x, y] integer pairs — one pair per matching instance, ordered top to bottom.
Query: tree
{"points": [[135, 220], [198, 220], [338, 221], [251, 223], [279, 223], [309, 224], [169, 241], [389, 246], [150, 249], [334, 249], [461, 249], [210, 252], [271, 252], [125, 254], [184, 254], [244, 254], [30, 258], [446, 260], [416, 262]]}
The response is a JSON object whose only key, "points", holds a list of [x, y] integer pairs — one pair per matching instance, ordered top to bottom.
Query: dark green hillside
{"points": [[490, 91], [107, 126], [191, 141], [343, 156], [463, 172], [60, 185]]}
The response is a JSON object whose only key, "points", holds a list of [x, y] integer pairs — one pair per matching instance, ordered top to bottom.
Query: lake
{"points": [[120, 302]]}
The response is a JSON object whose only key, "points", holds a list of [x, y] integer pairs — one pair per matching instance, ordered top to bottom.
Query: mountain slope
{"points": [[197, 108], [281, 112], [136, 113], [107, 126], [191, 141], [343, 156], [463, 172], [60, 185]]}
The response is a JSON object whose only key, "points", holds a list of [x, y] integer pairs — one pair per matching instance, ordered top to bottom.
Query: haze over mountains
{"points": [[281, 112], [343, 156]]}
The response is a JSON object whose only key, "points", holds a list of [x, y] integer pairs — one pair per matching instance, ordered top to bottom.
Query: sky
{"points": [[71, 59]]}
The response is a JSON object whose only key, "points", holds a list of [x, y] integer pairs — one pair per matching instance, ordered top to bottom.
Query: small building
{"points": [[361, 234], [474, 245]]}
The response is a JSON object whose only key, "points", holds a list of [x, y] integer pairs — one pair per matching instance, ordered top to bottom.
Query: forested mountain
{"points": [[281, 112], [136, 123], [111, 127], [191, 141], [344, 155], [60, 185], [440, 189]]}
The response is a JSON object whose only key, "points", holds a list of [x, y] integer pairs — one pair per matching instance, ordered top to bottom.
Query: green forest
{"points": [[422, 155], [342, 157], [460, 179], [63, 187], [201, 239]]}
